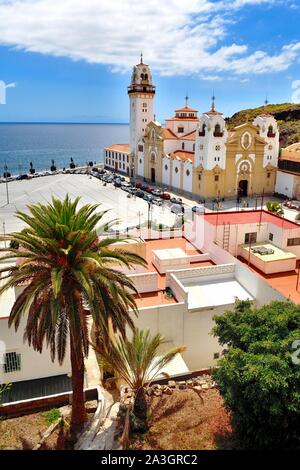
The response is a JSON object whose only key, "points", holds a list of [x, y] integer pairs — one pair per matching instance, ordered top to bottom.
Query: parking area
{"points": [[130, 211]]}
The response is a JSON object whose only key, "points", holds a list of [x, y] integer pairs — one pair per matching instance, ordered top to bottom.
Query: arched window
{"points": [[142, 76], [146, 76], [202, 130], [218, 132], [271, 132], [182, 146]]}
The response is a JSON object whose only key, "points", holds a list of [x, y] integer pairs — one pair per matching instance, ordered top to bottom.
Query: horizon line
{"points": [[65, 122]]}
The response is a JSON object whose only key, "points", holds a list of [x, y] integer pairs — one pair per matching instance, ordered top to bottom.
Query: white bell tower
{"points": [[141, 93], [211, 137]]}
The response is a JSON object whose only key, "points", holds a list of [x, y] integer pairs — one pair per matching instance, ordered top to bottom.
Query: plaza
{"points": [[130, 212]]}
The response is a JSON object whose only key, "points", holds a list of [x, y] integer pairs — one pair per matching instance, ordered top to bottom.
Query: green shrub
{"points": [[258, 376], [52, 416]]}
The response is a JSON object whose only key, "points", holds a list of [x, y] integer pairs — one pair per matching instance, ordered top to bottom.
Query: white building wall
{"points": [[137, 115], [188, 126], [171, 145], [206, 152], [271, 152], [140, 160], [166, 172], [176, 176], [188, 178], [285, 183], [184, 328], [33, 364]]}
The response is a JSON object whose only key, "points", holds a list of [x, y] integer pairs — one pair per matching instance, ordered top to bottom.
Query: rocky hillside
{"points": [[287, 115]]}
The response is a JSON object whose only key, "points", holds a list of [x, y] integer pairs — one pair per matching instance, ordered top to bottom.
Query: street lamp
{"points": [[6, 182], [149, 210]]}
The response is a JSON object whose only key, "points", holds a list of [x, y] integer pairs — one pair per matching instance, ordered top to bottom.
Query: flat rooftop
{"points": [[249, 217], [171, 254], [278, 254], [285, 282], [214, 293], [160, 298]]}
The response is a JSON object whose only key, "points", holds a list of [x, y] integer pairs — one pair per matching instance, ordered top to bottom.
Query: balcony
{"points": [[141, 89], [201, 133], [218, 134], [271, 134]]}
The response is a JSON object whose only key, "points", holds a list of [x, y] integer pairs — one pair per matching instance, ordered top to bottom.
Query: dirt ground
{"points": [[182, 421], [23, 432]]}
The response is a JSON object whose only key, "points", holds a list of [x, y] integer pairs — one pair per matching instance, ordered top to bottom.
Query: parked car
{"points": [[22, 177], [138, 184], [149, 189], [157, 192], [140, 193], [165, 196], [148, 197], [175, 200], [157, 202], [176, 209], [198, 209]]}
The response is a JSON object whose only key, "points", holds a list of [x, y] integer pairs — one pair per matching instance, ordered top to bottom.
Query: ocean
{"points": [[21, 144]]}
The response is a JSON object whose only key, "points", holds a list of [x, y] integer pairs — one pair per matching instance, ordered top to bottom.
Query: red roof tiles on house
{"points": [[124, 148]]}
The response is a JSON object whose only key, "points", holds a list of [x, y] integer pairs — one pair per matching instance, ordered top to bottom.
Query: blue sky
{"points": [[71, 61]]}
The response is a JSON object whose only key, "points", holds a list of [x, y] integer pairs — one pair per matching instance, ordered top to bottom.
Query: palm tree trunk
{"points": [[78, 401], [140, 408]]}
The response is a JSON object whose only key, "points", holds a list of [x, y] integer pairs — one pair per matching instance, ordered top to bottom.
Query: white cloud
{"points": [[176, 36], [11, 85]]}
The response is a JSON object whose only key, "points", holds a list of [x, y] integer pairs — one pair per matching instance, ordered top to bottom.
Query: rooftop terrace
{"points": [[249, 217]]}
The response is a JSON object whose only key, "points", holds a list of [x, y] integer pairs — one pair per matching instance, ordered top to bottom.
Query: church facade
{"points": [[195, 155]]}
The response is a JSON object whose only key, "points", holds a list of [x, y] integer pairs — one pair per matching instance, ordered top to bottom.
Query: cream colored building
{"points": [[196, 155], [288, 175]]}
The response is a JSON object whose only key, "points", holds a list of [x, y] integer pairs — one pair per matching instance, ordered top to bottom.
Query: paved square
{"points": [[130, 212]]}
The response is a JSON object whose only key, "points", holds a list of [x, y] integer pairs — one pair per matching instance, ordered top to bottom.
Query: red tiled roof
{"points": [[186, 109], [183, 119], [168, 134], [189, 136], [124, 148], [183, 155], [249, 217]]}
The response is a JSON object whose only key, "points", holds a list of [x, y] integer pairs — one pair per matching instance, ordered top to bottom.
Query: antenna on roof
{"points": [[141, 57]]}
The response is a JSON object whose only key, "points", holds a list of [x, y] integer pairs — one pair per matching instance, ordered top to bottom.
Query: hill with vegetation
{"points": [[287, 115]]}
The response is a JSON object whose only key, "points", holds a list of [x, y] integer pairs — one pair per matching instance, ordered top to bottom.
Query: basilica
{"points": [[195, 155]]}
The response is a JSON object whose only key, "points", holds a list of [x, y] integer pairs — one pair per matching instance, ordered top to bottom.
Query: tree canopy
{"points": [[259, 376]]}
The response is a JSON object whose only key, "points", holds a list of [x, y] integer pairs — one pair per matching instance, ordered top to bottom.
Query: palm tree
{"points": [[275, 208], [68, 271], [137, 362]]}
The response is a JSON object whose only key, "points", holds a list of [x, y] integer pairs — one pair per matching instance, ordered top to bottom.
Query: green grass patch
{"points": [[52, 416]]}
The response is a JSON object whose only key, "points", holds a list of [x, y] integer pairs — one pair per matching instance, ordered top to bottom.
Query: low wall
{"points": [[200, 257], [145, 282], [176, 286], [183, 376], [34, 405]]}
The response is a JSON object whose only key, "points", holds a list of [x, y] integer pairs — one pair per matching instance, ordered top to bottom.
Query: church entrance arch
{"points": [[152, 175], [243, 188]]}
